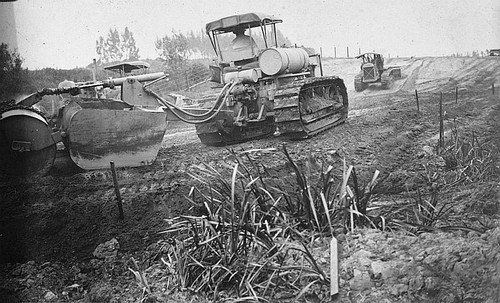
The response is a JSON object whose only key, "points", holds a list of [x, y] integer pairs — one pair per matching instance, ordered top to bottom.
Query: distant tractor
{"points": [[494, 52], [372, 71]]}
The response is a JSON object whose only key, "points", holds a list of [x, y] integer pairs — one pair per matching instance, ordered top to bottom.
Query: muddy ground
{"points": [[50, 227]]}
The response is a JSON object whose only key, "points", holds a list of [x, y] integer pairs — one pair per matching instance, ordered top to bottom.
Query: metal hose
{"points": [[216, 105], [173, 107], [214, 111]]}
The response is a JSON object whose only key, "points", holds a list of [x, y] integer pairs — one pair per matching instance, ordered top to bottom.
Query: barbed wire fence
{"points": [[350, 52], [183, 79], [186, 85], [438, 102]]}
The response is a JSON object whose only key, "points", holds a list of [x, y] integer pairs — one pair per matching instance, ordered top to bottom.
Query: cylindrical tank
{"points": [[274, 61], [248, 75], [27, 146]]}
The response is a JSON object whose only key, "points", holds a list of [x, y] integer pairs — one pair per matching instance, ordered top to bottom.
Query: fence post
{"points": [[335, 52], [348, 52], [493, 88], [456, 94], [418, 106], [441, 127], [117, 191]]}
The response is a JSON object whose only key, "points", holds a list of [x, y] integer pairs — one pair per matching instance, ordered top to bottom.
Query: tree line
{"points": [[174, 48], [174, 51], [13, 77], [16, 79]]}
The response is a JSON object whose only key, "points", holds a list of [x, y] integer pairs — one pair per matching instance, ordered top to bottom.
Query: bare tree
{"points": [[117, 47], [173, 50]]}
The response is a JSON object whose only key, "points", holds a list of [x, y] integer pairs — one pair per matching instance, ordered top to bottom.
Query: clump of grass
{"points": [[469, 159], [466, 160], [327, 200], [424, 213], [253, 236], [232, 247], [141, 280]]}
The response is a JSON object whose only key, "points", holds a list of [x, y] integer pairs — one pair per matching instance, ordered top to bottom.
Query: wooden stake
{"points": [[321, 66], [187, 81], [493, 88], [456, 94], [418, 106], [441, 128], [117, 191], [351, 215], [334, 267]]}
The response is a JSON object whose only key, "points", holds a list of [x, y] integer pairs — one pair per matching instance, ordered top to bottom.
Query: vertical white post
{"points": [[334, 268]]}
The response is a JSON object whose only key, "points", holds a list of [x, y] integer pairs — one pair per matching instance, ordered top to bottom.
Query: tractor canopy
{"points": [[249, 20], [240, 23], [369, 57], [128, 67]]}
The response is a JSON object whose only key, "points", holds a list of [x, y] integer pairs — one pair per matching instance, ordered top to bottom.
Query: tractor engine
{"points": [[370, 73], [245, 94], [244, 100]]}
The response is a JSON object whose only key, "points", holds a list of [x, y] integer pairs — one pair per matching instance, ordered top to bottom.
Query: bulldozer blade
{"points": [[30, 100], [95, 137]]}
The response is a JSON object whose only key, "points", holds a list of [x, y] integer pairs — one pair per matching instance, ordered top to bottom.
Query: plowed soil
{"points": [[61, 218]]}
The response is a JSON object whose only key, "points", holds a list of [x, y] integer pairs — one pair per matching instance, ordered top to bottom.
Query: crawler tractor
{"points": [[372, 71], [266, 89]]}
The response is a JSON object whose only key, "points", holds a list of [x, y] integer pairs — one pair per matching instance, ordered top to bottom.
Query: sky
{"points": [[62, 34]]}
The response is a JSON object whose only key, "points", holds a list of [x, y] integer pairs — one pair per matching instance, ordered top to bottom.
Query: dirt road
{"points": [[66, 214]]}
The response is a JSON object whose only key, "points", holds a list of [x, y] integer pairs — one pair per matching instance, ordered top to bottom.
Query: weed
{"points": [[467, 160], [252, 237]]}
